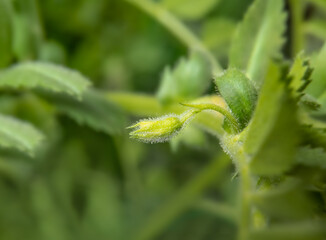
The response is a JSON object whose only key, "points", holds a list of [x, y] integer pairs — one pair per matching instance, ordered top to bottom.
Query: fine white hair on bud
{"points": [[160, 129]]}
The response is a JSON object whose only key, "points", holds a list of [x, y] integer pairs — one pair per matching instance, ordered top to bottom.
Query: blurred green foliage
{"points": [[67, 167]]}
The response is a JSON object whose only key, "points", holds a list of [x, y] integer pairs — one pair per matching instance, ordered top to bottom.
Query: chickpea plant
{"points": [[268, 114], [273, 126]]}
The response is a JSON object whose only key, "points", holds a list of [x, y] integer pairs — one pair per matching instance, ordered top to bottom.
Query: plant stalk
{"points": [[232, 146]]}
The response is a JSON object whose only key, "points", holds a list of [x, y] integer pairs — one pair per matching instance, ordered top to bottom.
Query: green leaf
{"points": [[319, 3], [190, 9], [316, 28], [218, 32], [5, 33], [258, 38], [300, 74], [45, 76], [300, 78], [189, 79], [318, 85], [239, 94], [309, 102], [94, 111], [19, 135], [272, 135], [190, 136], [315, 137], [312, 157], [286, 201]]}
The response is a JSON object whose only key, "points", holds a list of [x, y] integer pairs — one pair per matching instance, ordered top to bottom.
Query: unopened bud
{"points": [[160, 129]]}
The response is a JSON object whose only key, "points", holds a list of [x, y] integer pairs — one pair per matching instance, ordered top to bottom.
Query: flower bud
{"points": [[239, 93], [160, 129]]}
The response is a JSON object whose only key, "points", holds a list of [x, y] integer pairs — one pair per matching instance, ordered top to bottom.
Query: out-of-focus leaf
{"points": [[319, 3], [190, 9], [316, 28], [217, 32], [5, 33], [258, 38], [52, 51], [300, 75], [45, 76], [300, 78], [187, 80], [318, 84], [309, 102], [93, 110], [19, 135], [272, 135], [190, 136], [315, 137], [313, 157], [15, 165], [287, 201], [303, 230]]}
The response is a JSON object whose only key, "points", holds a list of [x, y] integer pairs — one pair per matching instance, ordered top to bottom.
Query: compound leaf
{"points": [[258, 38], [300, 75], [44, 76], [300, 78], [189, 79], [318, 85], [93, 110], [272, 134], [19, 135], [314, 137], [313, 157], [286, 201]]}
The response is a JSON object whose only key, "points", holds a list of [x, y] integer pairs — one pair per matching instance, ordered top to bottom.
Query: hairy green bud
{"points": [[239, 93], [160, 129]]}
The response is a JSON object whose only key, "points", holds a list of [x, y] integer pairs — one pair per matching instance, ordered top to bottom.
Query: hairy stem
{"points": [[177, 28], [148, 106], [217, 108], [235, 149], [245, 208]]}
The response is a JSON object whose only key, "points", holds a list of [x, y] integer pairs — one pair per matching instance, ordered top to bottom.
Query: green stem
{"points": [[176, 27], [296, 27], [148, 106], [217, 108], [231, 145], [245, 207]]}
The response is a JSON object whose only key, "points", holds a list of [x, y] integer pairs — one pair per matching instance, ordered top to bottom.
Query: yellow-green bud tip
{"points": [[159, 129]]}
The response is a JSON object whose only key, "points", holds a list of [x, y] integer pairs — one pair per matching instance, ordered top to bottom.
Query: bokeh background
{"points": [[89, 184]]}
